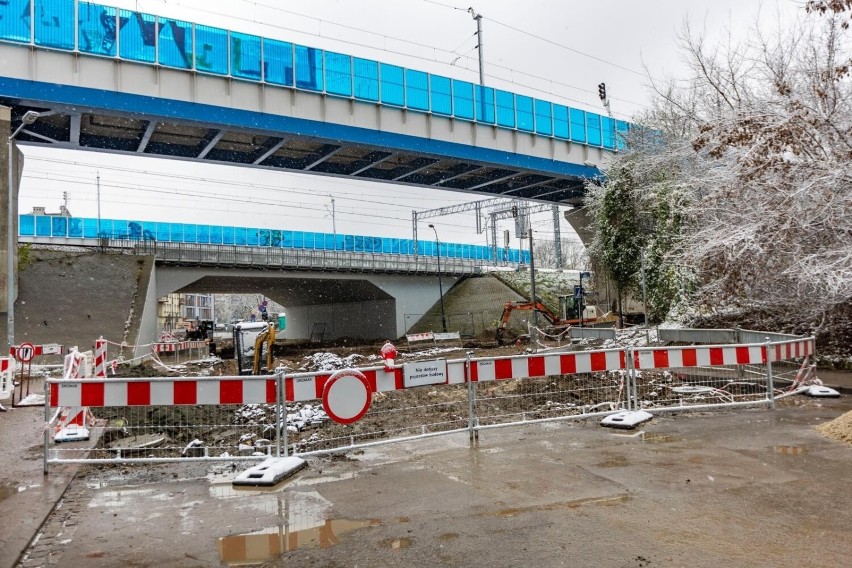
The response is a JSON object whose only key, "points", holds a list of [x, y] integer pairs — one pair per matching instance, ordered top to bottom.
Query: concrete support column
{"points": [[579, 220], [5, 227]]}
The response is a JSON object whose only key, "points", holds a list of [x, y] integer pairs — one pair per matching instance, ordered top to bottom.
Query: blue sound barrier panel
{"points": [[15, 20], [54, 23], [97, 29], [137, 36], [174, 43], [211, 50], [245, 56], [278, 62], [309, 68], [338, 74], [366, 79], [393, 84], [440, 89], [417, 90], [463, 100], [485, 104], [524, 105], [505, 109], [543, 118], [578, 126], [593, 129]]}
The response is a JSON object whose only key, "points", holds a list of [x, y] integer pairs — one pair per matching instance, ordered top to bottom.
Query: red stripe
{"points": [[763, 354], [743, 356], [717, 357], [690, 358], [661, 359], [622, 360], [598, 361], [568, 364], [535, 366], [503, 369], [474, 371], [372, 379], [399, 382], [319, 383], [270, 391], [186, 392], [230, 392], [289, 393], [54, 394], [92, 394], [139, 394]]}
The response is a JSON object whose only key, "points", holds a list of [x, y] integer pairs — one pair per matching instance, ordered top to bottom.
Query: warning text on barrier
{"points": [[425, 373]]}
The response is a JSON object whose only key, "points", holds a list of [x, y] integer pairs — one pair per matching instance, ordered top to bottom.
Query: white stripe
{"points": [[729, 355], [702, 356], [754, 356], [675, 358], [646, 359], [613, 360], [584, 363], [552, 365], [520, 367], [485, 370], [455, 372], [385, 382], [304, 388], [254, 391], [207, 392], [70, 393], [162, 393], [115, 394]]}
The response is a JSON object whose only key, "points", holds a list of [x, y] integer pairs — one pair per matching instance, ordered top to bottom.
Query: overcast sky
{"points": [[551, 49]]}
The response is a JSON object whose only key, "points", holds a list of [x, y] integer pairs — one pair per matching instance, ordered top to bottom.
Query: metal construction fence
{"points": [[247, 417]]}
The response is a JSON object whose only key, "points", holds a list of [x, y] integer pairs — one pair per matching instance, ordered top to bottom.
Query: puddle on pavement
{"points": [[652, 438], [790, 450], [613, 460], [7, 489], [576, 503], [274, 542], [396, 543]]}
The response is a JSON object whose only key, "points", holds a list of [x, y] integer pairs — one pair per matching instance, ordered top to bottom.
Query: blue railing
{"points": [[94, 29], [87, 228]]}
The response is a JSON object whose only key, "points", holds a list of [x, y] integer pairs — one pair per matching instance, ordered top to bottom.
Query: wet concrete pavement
{"points": [[745, 488]]}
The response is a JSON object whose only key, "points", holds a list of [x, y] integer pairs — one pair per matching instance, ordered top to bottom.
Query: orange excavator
{"points": [[557, 323]]}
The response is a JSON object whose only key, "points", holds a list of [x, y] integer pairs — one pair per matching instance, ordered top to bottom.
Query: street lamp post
{"points": [[29, 117], [440, 283]]}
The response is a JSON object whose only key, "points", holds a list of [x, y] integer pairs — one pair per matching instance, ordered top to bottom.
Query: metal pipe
{"points": [[440, 283]]}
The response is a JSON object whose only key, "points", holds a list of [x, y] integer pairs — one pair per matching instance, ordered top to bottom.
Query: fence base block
{"points": [[821, 391], [626, 419], [72, 434], [270, 472]]}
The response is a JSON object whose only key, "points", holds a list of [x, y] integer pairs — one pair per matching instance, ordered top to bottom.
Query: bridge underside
{"points": [[98, 104], [98, 130], [364, 306]]}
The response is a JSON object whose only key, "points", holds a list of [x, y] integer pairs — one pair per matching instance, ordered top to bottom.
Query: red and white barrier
{"points": [[793, 349], [705, 356], [101, 357], [7, 376], [310, 386], [71, 420]]}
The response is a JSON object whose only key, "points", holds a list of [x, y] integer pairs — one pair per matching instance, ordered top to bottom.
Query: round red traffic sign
{"points": [[25, 352], [346, 396]]}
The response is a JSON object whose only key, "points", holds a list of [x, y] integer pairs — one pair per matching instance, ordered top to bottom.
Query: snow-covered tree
{"points": [[742, 186]]}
